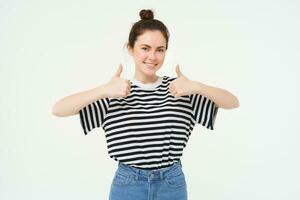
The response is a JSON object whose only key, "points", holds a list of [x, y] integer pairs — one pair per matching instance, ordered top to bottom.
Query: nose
{"points": [[152, 55]]}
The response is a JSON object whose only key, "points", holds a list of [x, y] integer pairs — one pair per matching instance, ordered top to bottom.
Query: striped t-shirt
{"points": [[149, 128]]}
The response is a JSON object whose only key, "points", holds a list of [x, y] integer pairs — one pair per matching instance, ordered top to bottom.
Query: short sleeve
{"points": [[204, 110], [93, 115]]}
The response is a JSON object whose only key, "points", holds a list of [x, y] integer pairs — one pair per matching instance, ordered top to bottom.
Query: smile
{"points": [[150, 64]]}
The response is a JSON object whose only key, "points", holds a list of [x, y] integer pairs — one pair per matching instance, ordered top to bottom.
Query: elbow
{"points": [[237, 102], [234, 104], [55, 111]]}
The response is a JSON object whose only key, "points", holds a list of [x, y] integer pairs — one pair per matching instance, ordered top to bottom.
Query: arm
{"points": [[221, 97], [71, 105]]}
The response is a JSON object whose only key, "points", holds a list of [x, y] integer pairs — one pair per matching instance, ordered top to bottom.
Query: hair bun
{"points": [[146, 14]]}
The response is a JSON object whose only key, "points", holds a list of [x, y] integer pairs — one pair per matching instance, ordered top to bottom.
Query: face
{"points": [[148, 53]]}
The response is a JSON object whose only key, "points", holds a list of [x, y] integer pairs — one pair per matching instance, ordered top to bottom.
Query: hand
{"points": [[182, 85], [117, 86]]}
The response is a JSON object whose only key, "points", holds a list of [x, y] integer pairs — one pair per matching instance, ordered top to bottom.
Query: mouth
{"points": [[150, 65]]}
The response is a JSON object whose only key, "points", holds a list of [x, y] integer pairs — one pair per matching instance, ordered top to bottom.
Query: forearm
{"points": [[221, 97], [71, 105]]}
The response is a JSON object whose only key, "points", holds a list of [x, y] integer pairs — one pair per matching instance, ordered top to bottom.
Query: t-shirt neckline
{"points": [[147, 86]]}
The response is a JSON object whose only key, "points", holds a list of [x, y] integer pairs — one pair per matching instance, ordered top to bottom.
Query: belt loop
{"points": [[137, 174], [161, 175]]}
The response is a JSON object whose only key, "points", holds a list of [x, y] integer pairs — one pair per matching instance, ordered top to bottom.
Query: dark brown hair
{"points": [[147, 22]]}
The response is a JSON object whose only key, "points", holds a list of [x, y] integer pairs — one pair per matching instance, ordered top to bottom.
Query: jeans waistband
{"points": [[174, 169]]}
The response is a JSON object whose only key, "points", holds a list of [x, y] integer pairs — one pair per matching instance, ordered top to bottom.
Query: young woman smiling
{"points": [[148, 119]]}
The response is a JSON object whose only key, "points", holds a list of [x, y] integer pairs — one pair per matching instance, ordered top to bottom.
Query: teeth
{"points": [[150, 65]]}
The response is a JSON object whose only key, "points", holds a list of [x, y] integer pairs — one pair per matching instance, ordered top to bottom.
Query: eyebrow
{"points": [[150, 46]]}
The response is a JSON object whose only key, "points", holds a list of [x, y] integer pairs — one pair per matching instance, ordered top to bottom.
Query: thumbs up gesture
{"points": [[181, 85], [117, 86]]}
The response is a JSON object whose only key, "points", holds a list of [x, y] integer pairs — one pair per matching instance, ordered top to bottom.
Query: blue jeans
{"points": [[130, 183]]}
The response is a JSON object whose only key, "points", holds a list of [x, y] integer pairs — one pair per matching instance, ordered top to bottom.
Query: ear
{"points": [[130, 50]]}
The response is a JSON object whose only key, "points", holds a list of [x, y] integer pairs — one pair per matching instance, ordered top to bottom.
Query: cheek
{"points": [[141, 55], [161, 56], [140, 60]]}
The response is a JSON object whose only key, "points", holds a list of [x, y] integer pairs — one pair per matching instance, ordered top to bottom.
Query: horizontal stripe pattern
{"points": [[149, 128]]}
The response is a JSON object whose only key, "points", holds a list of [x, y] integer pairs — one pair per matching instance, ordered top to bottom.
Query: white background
{"points": [[51, 49]]}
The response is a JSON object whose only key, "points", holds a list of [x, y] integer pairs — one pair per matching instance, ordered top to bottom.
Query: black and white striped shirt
{"points": [[150, 127]]}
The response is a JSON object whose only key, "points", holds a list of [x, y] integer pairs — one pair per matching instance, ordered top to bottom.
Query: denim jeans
{"points": [[131, 183]]}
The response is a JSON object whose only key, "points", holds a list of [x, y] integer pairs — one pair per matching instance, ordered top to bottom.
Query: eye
{"points": [[144, 48], [161, 50]]}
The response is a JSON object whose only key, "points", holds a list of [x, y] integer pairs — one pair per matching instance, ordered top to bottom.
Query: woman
{"points": [[147, 120]]}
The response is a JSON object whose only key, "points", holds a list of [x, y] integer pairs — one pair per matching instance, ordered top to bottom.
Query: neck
{"points": [[146, 79]]}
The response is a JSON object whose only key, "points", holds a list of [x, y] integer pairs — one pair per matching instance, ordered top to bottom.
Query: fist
{"points": [[181, 85], [117, 86]]}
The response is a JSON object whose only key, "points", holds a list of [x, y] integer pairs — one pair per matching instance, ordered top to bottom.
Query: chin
{"points": [[150, 73]]}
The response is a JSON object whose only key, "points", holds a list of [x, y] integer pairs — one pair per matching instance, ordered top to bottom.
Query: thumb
{"points": [[119, 71], [178, 72]]}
